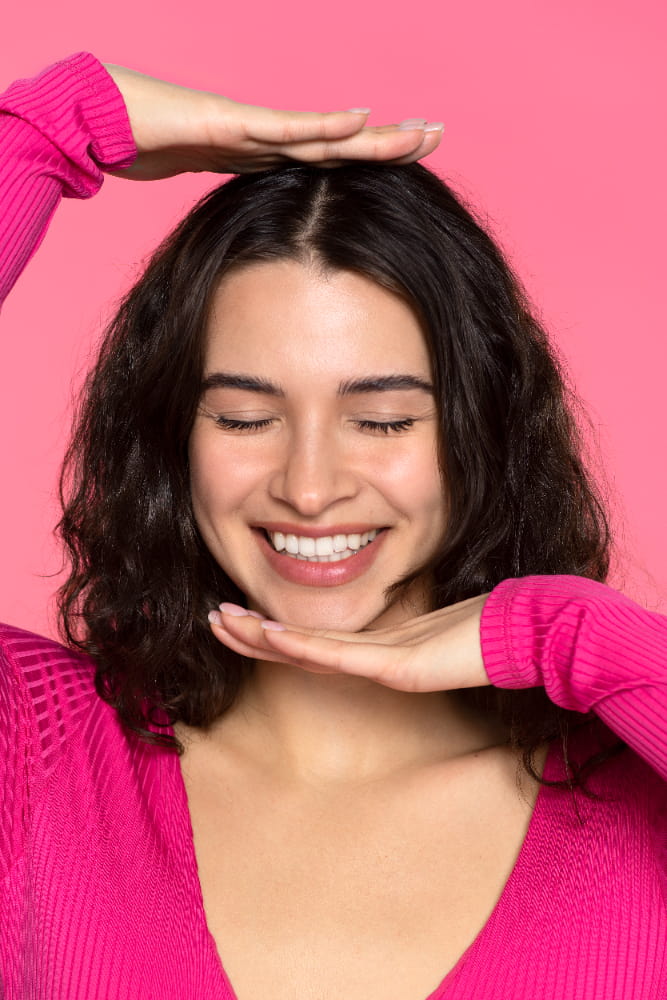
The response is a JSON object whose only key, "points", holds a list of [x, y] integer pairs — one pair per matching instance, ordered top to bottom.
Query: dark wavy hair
{"points": [[521, 502]]}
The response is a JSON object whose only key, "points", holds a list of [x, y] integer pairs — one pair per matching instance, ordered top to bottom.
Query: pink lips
{"points": [[324, 574]]}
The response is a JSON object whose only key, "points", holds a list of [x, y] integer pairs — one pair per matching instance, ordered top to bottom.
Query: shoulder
{"points": [[19, 643], [32, 661], [46, 690], [626, 813]]}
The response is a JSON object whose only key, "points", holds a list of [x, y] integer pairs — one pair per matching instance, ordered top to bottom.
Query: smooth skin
{"points": [[178, 130]]}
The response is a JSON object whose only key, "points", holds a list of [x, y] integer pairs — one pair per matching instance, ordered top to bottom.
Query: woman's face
{"points": [[313, 456]]}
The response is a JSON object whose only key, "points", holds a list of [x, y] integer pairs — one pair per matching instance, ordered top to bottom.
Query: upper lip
{"points": [[311, 531]]}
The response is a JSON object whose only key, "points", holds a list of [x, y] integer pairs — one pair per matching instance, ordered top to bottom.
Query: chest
{"points": [[375, 892]]}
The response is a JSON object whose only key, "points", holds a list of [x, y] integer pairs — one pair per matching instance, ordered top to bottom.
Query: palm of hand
{"points": [[435, 652]]}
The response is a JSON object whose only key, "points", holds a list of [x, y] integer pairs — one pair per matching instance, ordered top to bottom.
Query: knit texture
{"points": [[57, 132], [100, 896]]}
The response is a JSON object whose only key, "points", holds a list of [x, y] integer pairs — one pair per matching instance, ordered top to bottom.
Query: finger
{"points": [[286, 127], [430, 142], [370, 144], [247, 629], [256, 634], [245, 637], [244, 648], [385, 664]]}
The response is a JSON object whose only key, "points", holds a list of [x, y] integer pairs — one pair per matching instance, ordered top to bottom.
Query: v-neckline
{"points": [[188, 861], [516, 877]]}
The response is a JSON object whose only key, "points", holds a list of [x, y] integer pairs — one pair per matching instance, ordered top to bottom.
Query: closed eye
{"points": [[242, 425], [375, 426], [386, 427]]}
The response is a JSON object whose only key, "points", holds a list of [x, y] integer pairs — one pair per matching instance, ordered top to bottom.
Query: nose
{"points": [[313, 473]]}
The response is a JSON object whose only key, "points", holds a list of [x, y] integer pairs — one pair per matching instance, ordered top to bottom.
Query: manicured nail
{"points": [[359, 111], [413, 123], [434, 127], [233, 609], [215, 618], [270, 626]]}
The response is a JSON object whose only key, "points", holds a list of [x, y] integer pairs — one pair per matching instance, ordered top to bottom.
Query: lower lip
{"points": [[321, 574]]}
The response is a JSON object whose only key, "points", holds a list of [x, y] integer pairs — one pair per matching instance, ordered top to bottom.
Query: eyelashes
{"points": [[241, 425], [373, 426], [386, 427]]}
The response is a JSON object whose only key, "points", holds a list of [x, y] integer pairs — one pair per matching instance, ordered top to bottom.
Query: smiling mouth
{"points": [[329, 548]]}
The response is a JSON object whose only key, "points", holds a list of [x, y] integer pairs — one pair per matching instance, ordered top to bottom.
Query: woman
{"points": [[325, 406]]}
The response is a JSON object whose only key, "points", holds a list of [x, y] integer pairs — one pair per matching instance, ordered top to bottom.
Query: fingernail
{"points": [[360, 111], [413, 123], [434, 127], [233, 609], [254, 614], [215, 618], [270, 626]]}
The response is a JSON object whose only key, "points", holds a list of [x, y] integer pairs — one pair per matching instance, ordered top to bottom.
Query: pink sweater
{"points": [[100, 894]]}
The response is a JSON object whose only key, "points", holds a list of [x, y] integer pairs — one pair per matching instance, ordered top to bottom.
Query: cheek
{"points": [[222, 477], [212, 480], [201, 481], [414, 482]]}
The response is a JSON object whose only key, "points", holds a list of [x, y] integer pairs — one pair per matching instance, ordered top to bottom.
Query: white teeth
{"points": [[278, 541], [339, 543], [307, 546], [324, 546], [330, 548]]}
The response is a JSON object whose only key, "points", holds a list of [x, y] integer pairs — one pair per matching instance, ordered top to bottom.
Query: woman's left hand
{"points": [[177, 130], [436, 652]]}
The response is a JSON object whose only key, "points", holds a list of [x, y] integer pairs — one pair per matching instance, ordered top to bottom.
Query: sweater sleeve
{"points": [[58, 132], [592, 648], [15, 775]]}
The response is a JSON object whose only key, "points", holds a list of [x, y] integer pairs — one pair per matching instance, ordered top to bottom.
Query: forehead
{"points": [[284, 313]]}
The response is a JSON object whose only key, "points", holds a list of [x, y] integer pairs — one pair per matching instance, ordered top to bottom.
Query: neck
{"points": [[334, 729]]}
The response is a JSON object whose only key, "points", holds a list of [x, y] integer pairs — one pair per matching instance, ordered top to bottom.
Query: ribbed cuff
{"points": [[77, 106], [532, 628], [498, 653]]}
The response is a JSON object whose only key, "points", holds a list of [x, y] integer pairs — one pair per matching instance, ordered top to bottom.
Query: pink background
{"points": [[555, 119]]}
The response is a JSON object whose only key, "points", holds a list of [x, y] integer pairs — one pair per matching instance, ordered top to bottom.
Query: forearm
{"points": [[58, 131], [590, 647]]}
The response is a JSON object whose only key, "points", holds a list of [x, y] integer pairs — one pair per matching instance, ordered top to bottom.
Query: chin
{"points": [[321, 612]]}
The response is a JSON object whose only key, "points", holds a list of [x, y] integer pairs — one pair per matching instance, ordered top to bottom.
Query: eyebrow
{"points": [[223, 380], [371, 383], [384, 383]]}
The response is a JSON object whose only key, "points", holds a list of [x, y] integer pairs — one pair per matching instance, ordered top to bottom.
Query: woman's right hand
{"points": [[177, 130]]}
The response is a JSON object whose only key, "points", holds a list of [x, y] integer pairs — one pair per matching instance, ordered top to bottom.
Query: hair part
{"points": [[520, 499]]}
